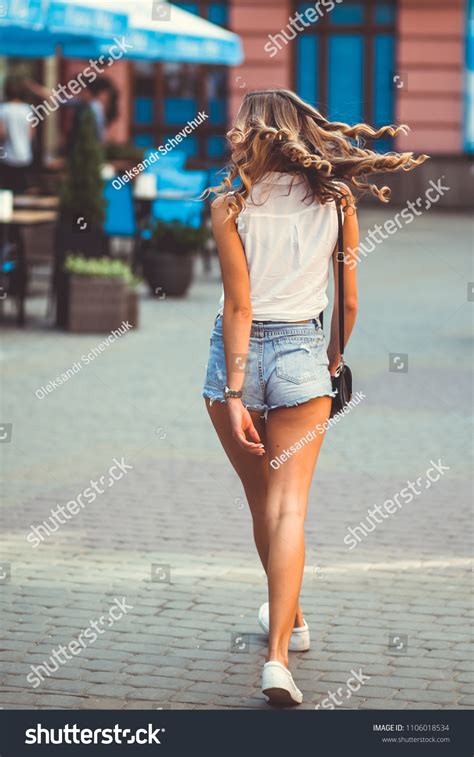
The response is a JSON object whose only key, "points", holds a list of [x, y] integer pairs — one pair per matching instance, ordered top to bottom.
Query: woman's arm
{"points": [[41, 92], [351, 242], [236, 321]]}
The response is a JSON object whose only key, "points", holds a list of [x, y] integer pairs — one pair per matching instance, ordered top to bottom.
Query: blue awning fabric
{"points": [[153, 31]]}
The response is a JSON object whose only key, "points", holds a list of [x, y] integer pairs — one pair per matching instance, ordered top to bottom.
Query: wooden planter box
{"points": [[97, 304]]}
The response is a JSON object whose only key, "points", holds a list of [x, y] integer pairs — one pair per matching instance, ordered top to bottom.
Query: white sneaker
{"points": [[299, 639], [278, 684]]}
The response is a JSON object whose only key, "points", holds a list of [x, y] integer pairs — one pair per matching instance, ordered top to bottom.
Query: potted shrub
{"points": [[82, 207], [168, 257], [101, 294]]}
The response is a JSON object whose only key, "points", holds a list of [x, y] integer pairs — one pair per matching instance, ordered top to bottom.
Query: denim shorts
{"points": [[287, 364]]}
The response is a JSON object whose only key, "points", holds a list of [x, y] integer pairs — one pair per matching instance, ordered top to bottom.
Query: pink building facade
{"points": [[429, 38]]}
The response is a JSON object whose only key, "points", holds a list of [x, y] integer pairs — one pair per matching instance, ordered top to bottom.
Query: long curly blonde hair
{"points": [[276, 131]]}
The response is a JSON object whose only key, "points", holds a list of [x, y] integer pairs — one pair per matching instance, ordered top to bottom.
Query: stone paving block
{"points": [[13, 646], [105, 654], [206, 654], [447, 654], [426, 662], [98, 665], [212, 665], [465, 667], [130, 669], [427, 674], [202, 675], [100, 676], [464, 677], [156, 681], [397, 682], [66, 685], [443, 686], [222, 689], [107, 690], [158, 696], [429, 696], [192, 697], [101, 703], [382, 704]]}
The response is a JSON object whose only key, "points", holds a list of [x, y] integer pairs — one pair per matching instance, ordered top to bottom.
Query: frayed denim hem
{"points": [[215, 397], [300, 401]]}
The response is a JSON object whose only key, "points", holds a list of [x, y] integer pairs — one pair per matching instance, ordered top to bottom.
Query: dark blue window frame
{"points": [[344, 63], [209, 92]]}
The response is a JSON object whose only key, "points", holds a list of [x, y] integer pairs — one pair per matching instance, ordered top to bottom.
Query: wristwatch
{"points": [[231, 393]]}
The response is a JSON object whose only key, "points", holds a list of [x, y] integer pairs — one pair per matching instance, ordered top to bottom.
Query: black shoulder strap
{"points": [[340, 272]]}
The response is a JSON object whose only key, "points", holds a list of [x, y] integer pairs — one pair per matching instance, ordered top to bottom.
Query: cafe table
{"points": [[35, 202], [10, 235]]}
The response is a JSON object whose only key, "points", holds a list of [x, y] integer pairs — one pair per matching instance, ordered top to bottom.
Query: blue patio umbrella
{"points": [[20, 20], [34, 28], [84, 28], [163, 31]]}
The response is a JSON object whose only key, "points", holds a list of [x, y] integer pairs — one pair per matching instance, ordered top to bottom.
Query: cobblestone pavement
{"points": [[173, 536]]}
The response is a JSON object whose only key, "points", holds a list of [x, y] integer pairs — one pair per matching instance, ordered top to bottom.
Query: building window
{"points": [[344, 62], [166, 95]]}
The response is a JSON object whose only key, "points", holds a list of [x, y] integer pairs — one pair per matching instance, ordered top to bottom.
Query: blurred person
{"points": [[101, 96], [16, 137], [269, 373]]}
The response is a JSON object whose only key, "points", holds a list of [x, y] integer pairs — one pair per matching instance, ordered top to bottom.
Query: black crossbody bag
{"points": [[342, 379]]}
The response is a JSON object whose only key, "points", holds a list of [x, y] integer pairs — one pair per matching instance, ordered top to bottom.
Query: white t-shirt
{"points": [[17, 142], [288, 244]]}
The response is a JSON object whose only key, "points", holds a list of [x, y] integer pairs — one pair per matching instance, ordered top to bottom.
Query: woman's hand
{"points": [[334, 360], [333, 367], [242, 425]]}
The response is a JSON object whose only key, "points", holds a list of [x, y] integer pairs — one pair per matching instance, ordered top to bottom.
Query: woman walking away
{"points": [[269, 372]]}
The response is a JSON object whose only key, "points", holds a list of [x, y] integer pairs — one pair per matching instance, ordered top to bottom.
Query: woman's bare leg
{"points": [[253, 473], [287, 500]]}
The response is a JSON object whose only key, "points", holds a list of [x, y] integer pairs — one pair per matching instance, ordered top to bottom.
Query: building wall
{"points": [[253, 22], [431, 45], [430, 63]]}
